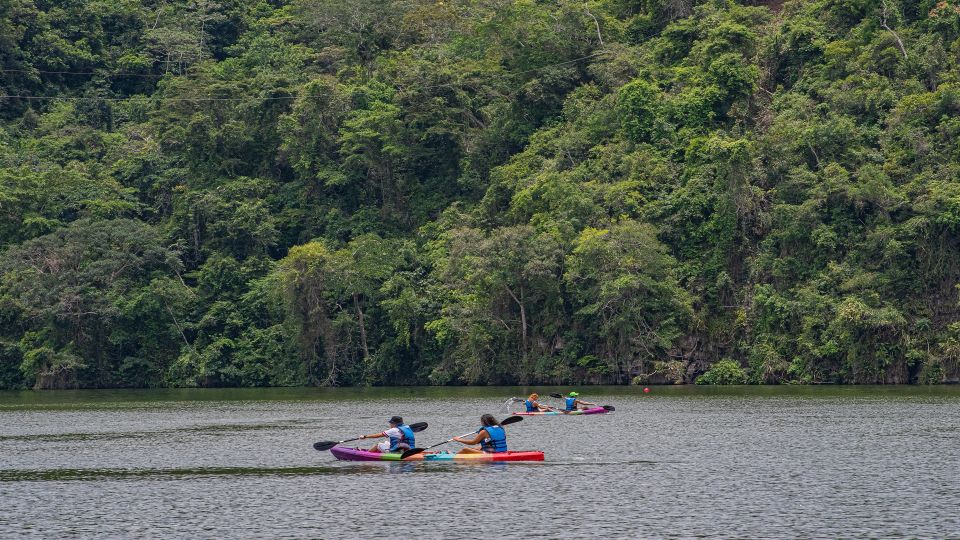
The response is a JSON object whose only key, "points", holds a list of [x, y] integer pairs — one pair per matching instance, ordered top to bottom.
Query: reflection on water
{"points": [[209, 429], [850, 462], [120, 474]]}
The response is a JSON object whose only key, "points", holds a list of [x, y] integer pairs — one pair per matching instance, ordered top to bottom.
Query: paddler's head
{"points": [[573, 394], [533, 397], [488, 420], [396, 421]]}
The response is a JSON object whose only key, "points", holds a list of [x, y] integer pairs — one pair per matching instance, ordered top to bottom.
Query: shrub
{"points": [[725, 371]]}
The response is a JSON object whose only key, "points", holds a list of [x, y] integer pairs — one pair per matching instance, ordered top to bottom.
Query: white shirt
{"points": [[393, 432]]}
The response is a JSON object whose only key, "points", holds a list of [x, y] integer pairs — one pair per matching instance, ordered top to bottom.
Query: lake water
{"points": [[680, 462]]}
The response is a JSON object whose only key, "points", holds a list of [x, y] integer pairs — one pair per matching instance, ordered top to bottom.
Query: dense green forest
{"points": [[343, 192]]}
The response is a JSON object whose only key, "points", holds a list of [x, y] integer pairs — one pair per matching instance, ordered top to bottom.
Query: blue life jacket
{"points": [[571, 404], [530, 406], [407, 439], [496, 440]]}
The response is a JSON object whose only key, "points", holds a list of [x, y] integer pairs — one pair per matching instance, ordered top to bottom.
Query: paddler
{"points": [[572, 403], [533, 405], [491, 436], [399, 437]]}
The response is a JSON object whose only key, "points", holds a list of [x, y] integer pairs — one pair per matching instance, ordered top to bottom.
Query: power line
{"points": [[541, 68], [84, 73], [147, 98], [268, 98]]}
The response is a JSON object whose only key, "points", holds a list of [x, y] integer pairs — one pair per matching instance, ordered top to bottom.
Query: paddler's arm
{"points": [[374, 435], [476, 439]]}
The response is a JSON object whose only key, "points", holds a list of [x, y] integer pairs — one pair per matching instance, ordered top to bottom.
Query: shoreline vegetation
{"points": [[226, 193], [135, 397]]}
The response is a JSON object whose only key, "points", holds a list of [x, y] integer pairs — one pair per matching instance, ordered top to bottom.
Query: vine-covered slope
{"points": [[286, 192]]}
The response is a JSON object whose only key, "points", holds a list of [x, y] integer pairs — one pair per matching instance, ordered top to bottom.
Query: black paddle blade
{"points": [[556, 396], [609, 407], [511, 420], [418, 427], [324, 445], [411, 452]]}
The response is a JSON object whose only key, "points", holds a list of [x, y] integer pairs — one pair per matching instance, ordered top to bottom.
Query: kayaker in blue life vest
{"points": [[571, 403], [532, 405], [491, 436], [399, 437]]}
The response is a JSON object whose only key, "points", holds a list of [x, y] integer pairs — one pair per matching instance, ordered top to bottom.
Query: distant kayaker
{"points": [[571, 403], [533, 405], [491, 436], [399, 437]]}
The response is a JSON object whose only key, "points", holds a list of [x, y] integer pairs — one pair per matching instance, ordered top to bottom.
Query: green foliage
{"points": [[640, 111], [340, 192], [622, 283], [71, 289], [10, 361], [724, 372]]}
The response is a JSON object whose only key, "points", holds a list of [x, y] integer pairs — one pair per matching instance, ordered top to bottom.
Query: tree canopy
{"points": [[348, 192]]}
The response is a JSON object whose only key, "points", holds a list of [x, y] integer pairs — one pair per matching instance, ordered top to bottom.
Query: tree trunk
{"points": [[523, 320], [363, 328]]}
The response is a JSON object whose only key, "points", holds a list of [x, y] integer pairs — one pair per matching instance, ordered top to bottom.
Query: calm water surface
{"points": [[768, 462]]}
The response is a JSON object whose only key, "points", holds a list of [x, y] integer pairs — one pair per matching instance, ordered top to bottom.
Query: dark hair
{"points": [[396, 420], [488, 420]]}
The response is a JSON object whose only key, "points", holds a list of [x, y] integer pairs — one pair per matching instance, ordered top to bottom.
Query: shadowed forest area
{"points": [[391, 192]]}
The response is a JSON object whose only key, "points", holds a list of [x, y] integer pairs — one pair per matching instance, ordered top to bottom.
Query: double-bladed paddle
{"points": [[506, 404], [606, 407], [326, 445], [414, 451]]}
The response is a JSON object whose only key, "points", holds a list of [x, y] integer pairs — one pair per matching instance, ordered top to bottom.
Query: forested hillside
{"points": [[342, 192]]}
